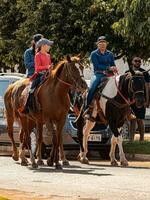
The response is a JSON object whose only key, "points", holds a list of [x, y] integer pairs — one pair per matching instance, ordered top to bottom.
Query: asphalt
{"points": [[97, 181]]}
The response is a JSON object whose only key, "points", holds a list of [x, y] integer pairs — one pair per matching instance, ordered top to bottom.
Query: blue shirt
{"points": [[102, 61], [29, 62]]}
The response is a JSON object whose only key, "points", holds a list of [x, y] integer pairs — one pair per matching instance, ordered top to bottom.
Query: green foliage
{"points": [[74, 25], [134, 26], [137, 147]]}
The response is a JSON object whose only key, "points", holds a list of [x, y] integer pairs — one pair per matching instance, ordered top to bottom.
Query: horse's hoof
{"points": [[14, 157], [78, 157], [26, 160], [84, 161], [40, 162], [50, 162], [24, 163], [65, 163], [114, 163], [124, 163], [34, 165], [58, 166]]}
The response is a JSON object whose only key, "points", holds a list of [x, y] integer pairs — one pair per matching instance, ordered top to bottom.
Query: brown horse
{"points": [[54, 102]]}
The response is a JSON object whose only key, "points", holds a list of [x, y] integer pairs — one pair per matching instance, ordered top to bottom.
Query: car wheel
{"points": [[104, 153]]}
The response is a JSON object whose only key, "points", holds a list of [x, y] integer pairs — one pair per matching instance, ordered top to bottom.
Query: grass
{"points": [[137, 147]]}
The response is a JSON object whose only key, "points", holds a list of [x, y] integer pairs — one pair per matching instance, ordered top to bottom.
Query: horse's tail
{"points": [[10, 112]]}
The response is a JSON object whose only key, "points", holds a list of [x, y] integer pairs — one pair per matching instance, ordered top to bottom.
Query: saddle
{"points": [[30, 100]]}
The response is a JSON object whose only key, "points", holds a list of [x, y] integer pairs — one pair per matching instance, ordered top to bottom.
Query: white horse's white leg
{"points": [[86, 132], [112, 151], [123, 159]]}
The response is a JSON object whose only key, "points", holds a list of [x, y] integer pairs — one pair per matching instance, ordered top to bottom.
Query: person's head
{"points": [[37, 37], [102, 43], [44, 45], [136, 62]]}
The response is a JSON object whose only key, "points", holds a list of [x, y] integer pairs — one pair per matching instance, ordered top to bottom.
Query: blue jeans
{"points": [[96, 80]]}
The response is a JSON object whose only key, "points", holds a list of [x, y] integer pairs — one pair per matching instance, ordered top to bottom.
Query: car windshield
{"points": [[3, 86]]}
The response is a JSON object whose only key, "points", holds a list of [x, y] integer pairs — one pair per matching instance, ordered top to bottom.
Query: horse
{"points": [[114, 101], [54, 104]]}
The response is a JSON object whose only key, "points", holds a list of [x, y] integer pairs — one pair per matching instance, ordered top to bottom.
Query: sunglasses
{"points": [[139, 61]]}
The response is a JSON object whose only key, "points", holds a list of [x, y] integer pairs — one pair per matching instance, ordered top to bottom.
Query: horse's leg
{"points": [[10, 121], [80, 124], [59, 127], [52, 129], [86, 132], [21, 137], [40, 140], [24, 144], [112, 151], [62, 153], [123, 160]]}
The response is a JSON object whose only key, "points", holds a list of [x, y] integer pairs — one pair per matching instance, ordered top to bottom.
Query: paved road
{"points": [[89, 182]]}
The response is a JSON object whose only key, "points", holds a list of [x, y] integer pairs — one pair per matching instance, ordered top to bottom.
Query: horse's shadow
{"points": [[119, 166], [73, 169]]}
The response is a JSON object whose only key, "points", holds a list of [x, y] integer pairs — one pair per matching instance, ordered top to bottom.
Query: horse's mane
{"points": [[57, 69]]}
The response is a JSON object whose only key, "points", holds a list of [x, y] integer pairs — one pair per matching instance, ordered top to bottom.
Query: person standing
{"points": [[29, 56], [102, 60], [139, 112]]}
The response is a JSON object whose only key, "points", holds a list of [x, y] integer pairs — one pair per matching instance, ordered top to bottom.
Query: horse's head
{"points": [[74, 73], [137, 88]]}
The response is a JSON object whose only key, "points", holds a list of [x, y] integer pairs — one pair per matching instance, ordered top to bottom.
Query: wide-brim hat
{"points": [[101, 38], [44, 41]]}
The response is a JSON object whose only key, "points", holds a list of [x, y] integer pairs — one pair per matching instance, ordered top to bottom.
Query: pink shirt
{"points": [[42, 62]]}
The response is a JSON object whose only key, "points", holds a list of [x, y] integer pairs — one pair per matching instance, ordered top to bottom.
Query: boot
{"points": [[26, 107], [88, 112], [131, 117]]}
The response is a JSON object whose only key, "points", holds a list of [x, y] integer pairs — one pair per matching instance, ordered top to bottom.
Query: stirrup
{"points": [[131, 117]]}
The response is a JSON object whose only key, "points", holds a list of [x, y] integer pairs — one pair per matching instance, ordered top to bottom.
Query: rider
{"points": [[29, 56], [102, 60], [43, 63], [139, 112]]}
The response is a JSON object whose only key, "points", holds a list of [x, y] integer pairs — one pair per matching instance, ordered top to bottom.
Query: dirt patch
{"points": [[20, 195]]}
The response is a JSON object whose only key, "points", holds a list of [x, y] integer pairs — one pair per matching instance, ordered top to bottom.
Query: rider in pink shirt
{"points": [[42, 62], [42, 65]]}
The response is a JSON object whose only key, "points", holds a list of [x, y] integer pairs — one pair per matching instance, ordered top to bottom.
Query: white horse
{"points": [[114, 102]]}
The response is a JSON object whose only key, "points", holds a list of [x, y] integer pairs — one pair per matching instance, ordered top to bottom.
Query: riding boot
{"points": [[88, 112]]}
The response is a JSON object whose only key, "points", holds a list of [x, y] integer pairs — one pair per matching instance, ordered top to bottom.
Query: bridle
{"points": [[68, 75], [130, 90]]}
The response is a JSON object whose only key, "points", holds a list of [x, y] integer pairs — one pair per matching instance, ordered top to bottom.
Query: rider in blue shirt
{"points": [[29, 56], [102, 60]]}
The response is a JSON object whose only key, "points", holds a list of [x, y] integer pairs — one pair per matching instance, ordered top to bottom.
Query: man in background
{"points": [[139, 112]]}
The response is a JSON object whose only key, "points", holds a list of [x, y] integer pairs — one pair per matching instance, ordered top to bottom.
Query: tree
{"points": [[134, 27]]}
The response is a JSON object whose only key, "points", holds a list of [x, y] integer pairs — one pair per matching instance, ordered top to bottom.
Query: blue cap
{"points": [[44, 41]]}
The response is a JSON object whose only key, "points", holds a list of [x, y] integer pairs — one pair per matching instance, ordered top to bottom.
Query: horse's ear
{"points": [[68, 58], [132, 71]]}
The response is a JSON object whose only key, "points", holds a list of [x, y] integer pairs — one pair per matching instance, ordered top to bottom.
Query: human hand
{"points": [[114, 69]]}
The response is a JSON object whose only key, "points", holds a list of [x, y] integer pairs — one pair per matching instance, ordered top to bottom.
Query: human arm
{"points": [[28, 59], [147, 87], [147, 91]]}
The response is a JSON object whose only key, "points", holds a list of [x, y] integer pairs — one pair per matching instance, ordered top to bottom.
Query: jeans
{"points": [[96, 80], [37, 81]]}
